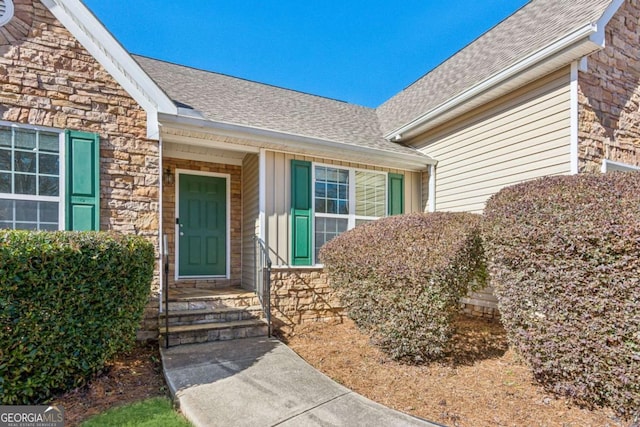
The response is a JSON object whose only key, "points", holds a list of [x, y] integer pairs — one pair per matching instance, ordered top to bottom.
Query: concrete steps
{"points": [[199, 315], [212, 315]]}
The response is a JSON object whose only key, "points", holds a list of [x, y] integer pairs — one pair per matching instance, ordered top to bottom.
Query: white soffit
{"points": [[212, 134]]}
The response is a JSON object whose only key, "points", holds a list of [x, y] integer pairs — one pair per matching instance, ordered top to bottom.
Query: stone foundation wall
{"points": [[47, 78], [609, 95], [303, 295], [479, 311]]}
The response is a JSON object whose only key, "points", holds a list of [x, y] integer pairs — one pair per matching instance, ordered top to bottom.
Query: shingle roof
{"points": [[533, 27], [232, 100]]}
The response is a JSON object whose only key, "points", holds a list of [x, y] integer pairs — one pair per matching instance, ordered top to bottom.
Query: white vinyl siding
{"points": [[520, 137], [278, 197], [250, 217]]}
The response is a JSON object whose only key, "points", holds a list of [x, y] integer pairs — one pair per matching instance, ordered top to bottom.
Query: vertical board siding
{"points": [[523, 136], [278, 199], [250, 217]]}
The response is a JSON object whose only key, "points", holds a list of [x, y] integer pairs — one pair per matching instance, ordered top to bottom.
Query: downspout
{"points": [[574, 140], [262, 187], [432, 188]]}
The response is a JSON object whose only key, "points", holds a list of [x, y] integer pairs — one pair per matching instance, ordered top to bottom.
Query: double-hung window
{"points": [[30, 178], [49, 178], [344, 198], [327, 200]]}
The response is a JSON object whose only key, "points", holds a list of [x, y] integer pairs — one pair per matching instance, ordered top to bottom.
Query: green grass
{"points": [[152, 412]]}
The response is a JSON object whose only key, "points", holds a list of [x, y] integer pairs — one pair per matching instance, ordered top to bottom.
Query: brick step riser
{"points": [[213, 303], [192, 319], [193, 337]]}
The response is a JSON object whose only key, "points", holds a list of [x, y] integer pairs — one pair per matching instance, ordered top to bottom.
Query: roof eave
{"points": [[101, 44], [569, 48], [283, 141]]}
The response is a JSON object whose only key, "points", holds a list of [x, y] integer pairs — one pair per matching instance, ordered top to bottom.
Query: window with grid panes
{"points": [[29, 178], [344, 198]]}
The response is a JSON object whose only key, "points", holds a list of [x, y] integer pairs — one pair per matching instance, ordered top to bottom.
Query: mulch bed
{"points": [[129, 378], [481, 383]]}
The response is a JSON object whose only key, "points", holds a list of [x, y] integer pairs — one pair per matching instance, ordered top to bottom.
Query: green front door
{"points": [[202, 226]]}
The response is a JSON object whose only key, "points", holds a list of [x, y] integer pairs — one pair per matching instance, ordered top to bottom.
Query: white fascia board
{"points": [[599, 36], [101, 44], [421, 123], [282, 141]]}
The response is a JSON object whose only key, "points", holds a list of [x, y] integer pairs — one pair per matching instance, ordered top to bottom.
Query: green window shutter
{"points": [[82, 181], [396, 194], [301, 216]]}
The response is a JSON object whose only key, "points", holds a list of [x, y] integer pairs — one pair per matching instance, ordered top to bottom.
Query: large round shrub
{"points": [[564, 259], [401, 278], [68, 302]]}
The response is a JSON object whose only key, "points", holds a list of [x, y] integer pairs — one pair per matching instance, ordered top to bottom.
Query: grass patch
{"points": [[153, 412]]}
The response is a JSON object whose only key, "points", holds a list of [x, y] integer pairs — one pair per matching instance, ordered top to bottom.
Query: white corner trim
{"points": [[101, 44], [545, 53], [574, 117], [163, 250]]}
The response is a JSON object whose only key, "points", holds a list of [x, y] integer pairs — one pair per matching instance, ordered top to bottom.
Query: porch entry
{"points": [[202, 225]]}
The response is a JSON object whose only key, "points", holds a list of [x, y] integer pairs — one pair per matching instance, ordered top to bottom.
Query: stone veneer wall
{"points": [[48, 79], [609, 95], [169, 226], [301, 295], [480, 311]]}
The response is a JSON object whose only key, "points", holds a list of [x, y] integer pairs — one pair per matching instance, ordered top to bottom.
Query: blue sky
{"points": [[361, 52]]}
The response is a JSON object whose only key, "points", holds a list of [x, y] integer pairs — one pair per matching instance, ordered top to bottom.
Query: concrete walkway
{"points": [[262, 382]]}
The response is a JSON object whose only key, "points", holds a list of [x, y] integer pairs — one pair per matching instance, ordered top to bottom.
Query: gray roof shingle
{"points": [[533, 27], [233, 100]]}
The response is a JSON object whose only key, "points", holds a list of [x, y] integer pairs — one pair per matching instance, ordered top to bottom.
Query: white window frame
{"points": [[61, 172], [351, 216]]}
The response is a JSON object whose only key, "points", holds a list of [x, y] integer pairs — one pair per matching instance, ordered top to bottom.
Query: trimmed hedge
{"points": [[564, 258], [401, 278], [68, 302]]}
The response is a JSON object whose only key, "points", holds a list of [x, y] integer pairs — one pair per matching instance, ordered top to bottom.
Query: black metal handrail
{"points": [[262, 264]]}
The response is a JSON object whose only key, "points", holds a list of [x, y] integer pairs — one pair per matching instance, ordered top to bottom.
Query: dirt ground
{"points": [[130, 378], [482, 383]]}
